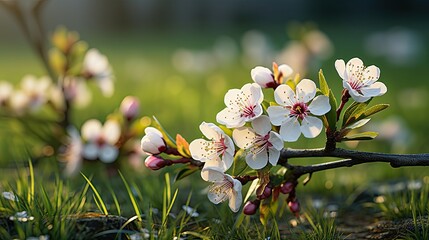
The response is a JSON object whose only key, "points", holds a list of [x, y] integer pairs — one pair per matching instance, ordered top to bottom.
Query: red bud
{"points": [[155, 163], [286, 187], [250, 208]]}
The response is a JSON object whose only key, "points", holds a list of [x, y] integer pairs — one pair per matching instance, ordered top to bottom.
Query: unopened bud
{"points": [[130, 107], [155, 163], [286, 187], [266, 193], [294, 206], [251, 207]]}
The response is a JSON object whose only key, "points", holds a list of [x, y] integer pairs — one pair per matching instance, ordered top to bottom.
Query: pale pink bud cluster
{"points": [[130, 107]]}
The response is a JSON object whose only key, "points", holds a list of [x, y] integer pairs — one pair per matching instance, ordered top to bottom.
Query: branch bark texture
{"points": [[349, 158]]}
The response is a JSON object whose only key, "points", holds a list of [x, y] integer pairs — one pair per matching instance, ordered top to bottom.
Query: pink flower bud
{"points": [[130, 107], [153, 142], [154, 162], [286, 187], [266, 193], [294, 206], [251, 207]]}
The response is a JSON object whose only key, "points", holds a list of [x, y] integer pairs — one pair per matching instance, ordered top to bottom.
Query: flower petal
{"points": [[340, 66], [354, 66], [286, 70], [370, 75], [262, 76], [376, 89], [305, 90], [252, 92], [284, 95], [320, 105], [277, 114], [230, 118], [262, 125], [311, 126], [91, 129], [290, 130], [111, 131], [210, 131], [243, 137], [276, 140], [198, 149], [90, 151], [108, 153], [273, 155], [257, 161], [212, 174], [209, 175], [216, 197], [235, 198]]}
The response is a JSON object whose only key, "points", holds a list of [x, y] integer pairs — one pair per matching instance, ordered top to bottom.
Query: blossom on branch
{"points": [[96, 66], [267, 79], [360, 81], [242, 105], [297, 110], [101, 140], [153, 142], [261, 144], [217, 151], [224, 188]]}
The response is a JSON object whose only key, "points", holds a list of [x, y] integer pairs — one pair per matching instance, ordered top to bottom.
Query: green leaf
{"points": [[324, 88], [374, 109], [354, 111], [331, 116], [357, 124], [360, 136], [168, 139], [186, 171]]}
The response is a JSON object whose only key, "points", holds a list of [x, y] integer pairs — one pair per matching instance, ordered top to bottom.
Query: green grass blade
{"points": [[97, 195], [132, 198]]}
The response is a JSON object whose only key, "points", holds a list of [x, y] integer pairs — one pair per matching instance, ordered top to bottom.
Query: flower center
{"points": [[299, 110], [248, 112], [260, 144], [215, 147], [220, 189]]}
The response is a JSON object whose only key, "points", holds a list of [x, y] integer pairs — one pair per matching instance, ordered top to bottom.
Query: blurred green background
{"points": [[180, 58]]}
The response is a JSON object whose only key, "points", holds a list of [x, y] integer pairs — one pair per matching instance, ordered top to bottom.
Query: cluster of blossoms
{"points": [[31, 95], [257, 130], [105, 142]]}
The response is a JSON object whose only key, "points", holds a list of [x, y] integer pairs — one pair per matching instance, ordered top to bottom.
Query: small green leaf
{"points": [[324, 88], [375, 109], [354, 111], [331, 116], [357, 124], [360, 136], [168, 139], [184, 172]]}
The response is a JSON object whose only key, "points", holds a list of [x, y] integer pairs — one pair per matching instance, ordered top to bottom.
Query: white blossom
{"points": [[96, 66], [360, 81], [242, 105], [297, 110], [101, 140], [262, 144], [218, 150], [224, 188]]}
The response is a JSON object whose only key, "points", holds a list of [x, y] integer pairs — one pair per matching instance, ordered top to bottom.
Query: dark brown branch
{"points": [[351, 158]]}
